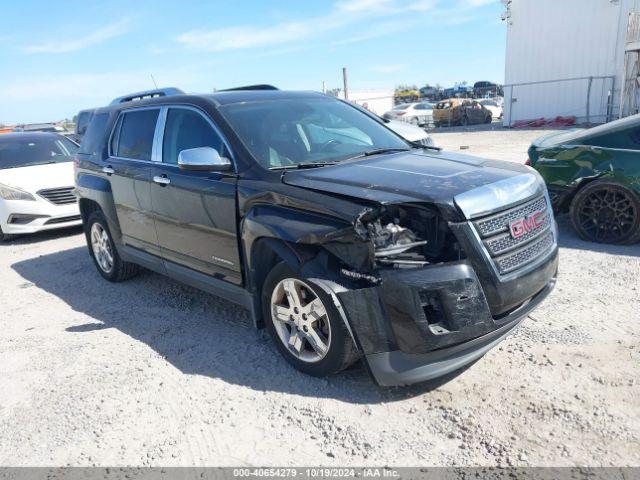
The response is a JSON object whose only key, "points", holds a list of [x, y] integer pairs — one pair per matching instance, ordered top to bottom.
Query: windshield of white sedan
{"points": [[292, 132], [28, 151]]}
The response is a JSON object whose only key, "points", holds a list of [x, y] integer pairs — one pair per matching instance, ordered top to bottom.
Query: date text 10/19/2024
{"points": [[319, 472]]}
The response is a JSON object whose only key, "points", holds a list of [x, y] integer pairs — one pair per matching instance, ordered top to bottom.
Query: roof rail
{"points": [[251, 87], [160, 92]]}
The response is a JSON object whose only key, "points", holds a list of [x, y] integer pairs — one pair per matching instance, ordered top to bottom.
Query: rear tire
{"points": [[489, 119], [606, 212], [103, 251], [295, 334]]}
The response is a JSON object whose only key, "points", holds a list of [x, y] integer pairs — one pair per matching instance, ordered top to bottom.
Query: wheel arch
{"points": [[272, 234]]}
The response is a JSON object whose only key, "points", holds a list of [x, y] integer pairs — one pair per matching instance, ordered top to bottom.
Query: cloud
{"points": [[477, 3], [345, 13], [243, 37], [66, 46], [387, 68]]}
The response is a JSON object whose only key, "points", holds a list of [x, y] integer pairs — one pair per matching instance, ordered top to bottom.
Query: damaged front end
{"points": [[413, 298]]}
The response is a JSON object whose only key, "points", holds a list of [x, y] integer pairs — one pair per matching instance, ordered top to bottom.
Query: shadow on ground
{"points": [[42, 236], [568, 238], [197, 333]]}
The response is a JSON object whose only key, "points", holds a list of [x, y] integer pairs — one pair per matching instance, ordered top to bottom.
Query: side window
{"points": [[186, 129], [136, 134]]}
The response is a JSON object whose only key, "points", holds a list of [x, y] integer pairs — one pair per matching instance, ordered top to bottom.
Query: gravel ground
{"points": [[151, 372]]}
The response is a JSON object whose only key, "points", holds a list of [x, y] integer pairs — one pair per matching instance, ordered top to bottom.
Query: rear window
{"points": [[83, 122], [136, 134], [92, 140], [24, 151]]}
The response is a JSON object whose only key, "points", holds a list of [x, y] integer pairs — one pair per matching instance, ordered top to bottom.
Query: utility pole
{"points": [[344, 81], [324, 88]]}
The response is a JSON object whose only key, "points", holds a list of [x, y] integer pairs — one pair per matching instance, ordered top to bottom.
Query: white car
{"points": [[494, 107], [420, 113], [411, 132], [36, 183]]}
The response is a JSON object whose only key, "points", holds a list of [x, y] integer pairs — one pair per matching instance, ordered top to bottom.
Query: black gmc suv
{"points": [[340, 237]]}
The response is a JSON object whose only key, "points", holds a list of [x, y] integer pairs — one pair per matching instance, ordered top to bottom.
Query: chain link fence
{"points": [[587, 99]]}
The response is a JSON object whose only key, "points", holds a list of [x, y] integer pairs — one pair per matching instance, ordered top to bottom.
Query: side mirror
{"points": [[203, 159]]}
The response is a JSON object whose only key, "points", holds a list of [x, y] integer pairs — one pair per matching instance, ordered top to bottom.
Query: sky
{"points": [[57, 58]]}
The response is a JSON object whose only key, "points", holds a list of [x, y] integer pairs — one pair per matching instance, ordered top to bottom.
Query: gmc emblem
{"points": [[526, 224]]}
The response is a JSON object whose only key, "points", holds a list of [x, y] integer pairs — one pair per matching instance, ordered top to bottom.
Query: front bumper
{"points": [[22, 217], [423, 323], [399, 368]]}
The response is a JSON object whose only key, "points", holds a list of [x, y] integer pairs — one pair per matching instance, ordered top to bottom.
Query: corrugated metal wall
{"points": [[550, 40]]}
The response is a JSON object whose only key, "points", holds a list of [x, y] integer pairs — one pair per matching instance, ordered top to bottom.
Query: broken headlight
{"points": [[409, 235]]}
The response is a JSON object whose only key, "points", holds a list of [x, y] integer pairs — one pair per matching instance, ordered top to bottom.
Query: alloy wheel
{"points": [[607, 215], [101, 246], [300, 320]]}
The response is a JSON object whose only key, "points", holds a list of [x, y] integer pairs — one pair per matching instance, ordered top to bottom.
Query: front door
{"points": [[129, 171], [195, 212]]}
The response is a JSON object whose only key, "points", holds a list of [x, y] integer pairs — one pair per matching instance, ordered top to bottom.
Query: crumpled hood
{"points": [[38, 177], [434, 177]]}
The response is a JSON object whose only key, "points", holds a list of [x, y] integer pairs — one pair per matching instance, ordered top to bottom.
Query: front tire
{"points": [[606, 212], [103, 251], [305, 324]]}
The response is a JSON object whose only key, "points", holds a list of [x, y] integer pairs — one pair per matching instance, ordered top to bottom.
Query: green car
{"points": [[594, 174]]}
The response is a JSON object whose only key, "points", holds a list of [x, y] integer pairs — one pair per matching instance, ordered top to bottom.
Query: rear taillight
{"points": [[399, 114], [527, 162]]}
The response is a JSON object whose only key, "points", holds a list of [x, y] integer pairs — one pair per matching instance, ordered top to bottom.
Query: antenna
{"points": [[154, 81]]}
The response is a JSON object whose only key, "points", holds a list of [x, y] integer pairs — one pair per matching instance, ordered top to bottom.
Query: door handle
{"points": [[108, 170], [161, 180]]}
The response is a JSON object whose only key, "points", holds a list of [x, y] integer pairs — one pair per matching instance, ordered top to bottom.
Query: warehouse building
{"points": [[571, 58]]}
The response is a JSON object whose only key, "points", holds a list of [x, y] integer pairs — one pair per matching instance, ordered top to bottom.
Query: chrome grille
{"points": [[59, 196], [500, 222], [504, 242], [509, 253], [527, 254]]}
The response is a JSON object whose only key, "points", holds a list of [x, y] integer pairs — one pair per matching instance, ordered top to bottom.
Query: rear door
{"points": [[129, 169], [195, 211]]}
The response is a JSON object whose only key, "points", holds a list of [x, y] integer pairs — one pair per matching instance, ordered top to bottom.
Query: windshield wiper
{"points": [[428, 147], [378, 151], [304, 165]]}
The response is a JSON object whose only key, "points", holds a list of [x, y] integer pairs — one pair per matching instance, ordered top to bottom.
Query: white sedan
{"points": [[494, 107], [420, 113], [36, 183]]}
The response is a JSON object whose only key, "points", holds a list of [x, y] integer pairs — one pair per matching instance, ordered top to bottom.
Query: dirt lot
{"points": [[150, 372]]}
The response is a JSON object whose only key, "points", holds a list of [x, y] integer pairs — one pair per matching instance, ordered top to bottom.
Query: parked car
{"points": [[480, 89], [458, 91], [493, 106], [460, 111], [420, 113], [409, 132], [594, 174], [36, 183], [343, 246]]}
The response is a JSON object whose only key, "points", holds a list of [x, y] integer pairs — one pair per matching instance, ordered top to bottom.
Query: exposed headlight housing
{"points": [[12, 193]]}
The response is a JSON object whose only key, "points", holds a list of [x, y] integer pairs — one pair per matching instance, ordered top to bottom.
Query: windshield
{"points": [[402, 106], [289, 132], [17, 151]]}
